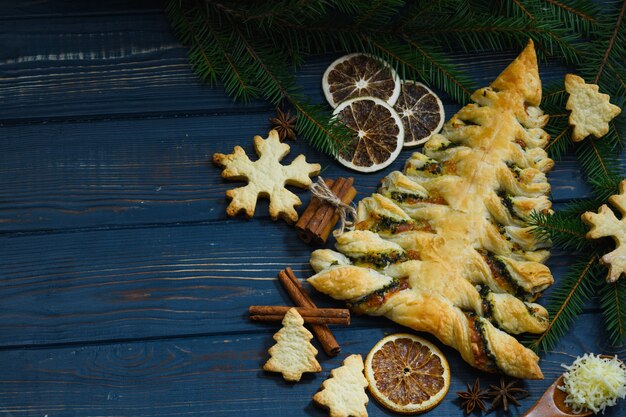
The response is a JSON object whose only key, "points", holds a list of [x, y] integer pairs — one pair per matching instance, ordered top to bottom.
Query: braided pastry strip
{"points": [[445, 247]]}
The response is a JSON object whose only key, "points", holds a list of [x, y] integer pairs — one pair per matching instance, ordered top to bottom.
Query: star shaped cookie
{"points": [[591, 111]]}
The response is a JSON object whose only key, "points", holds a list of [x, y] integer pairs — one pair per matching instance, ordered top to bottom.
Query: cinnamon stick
{"points": [[346, 195], [308, 214], [320, 217], [315, 222], [299, 296], [310, 315], [307, 320]]}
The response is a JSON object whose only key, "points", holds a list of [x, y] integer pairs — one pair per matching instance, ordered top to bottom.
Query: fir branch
{"points": [[523, 9], [418, 10], [379, 13], [578, 15], [504, 33], [415, 37], [611, 43], [208, 53], [442, 73], [553, 104], [324, 135], [560, 138], [600, 165], [562, 229], [566, 302], [613, 305]]}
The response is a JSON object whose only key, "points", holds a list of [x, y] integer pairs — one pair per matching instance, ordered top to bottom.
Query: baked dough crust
{"points": [[450, 234]]}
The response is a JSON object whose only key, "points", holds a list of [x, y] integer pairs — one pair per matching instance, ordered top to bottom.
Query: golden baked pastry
{"points": [[605, 224], [445, 247]]}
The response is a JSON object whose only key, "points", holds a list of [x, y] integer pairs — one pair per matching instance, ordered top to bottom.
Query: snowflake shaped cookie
{"points": [[591, 111], [266, 178], [604, 224]]}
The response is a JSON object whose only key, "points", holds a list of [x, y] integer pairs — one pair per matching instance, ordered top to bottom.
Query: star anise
{"points": [[284, 124], [505, 393], [473, 397]]}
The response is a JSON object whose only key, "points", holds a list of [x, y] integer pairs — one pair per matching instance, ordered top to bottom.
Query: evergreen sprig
{"points": [[253, 48], [562, 229], [583, 280], [566, 302]]}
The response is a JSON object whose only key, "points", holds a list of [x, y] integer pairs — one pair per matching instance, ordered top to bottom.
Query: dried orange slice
{"points": [[360, 75], [421, 112], [378, 134], [407, 374]]}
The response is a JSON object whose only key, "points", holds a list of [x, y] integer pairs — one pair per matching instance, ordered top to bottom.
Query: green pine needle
{"points": [[416, 38], [562, 229], [566, 302], [613, 305]]}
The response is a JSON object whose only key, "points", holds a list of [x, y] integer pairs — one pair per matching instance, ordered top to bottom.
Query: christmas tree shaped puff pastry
{"points": [[445, 247]]}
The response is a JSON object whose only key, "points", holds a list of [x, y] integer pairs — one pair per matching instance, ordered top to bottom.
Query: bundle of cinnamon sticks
{"points": [[320, 218], [318, 318]]}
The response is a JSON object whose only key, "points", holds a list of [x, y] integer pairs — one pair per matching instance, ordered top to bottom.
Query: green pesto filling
{"points": [[445, 146], [432, 168], [514, 169], [401, 197], [508, 203], [387, 224], [381, 260], [504, 273], [378, 293], [487, 304], [532, 311], [480, 326]]}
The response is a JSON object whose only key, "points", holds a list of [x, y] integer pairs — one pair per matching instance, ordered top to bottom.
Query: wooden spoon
{"points": [[552, 404]]}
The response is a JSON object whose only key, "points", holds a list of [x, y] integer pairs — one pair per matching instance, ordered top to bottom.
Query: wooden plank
{"points": [[26, 9], [55, 66], [130, 172], [150, 282], [220, 376]]}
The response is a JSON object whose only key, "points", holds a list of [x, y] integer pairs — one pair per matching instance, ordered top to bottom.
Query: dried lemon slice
{"points": [[360, 75], [421, 112], [378, 134], [407, 374]]}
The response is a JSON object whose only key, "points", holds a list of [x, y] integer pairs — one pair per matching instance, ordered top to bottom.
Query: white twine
{"points": [[347, 212]]}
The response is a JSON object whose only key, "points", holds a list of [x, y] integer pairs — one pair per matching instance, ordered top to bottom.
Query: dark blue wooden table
{"points": [[123, 285]]}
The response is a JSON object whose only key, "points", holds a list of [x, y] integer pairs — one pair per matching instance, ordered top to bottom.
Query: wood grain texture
{"points": [[53, 68], [134, 172], [150, 282], [124, 287], [216, 376]]}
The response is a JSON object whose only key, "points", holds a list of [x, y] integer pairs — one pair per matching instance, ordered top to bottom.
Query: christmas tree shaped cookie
{"points": [[591, 110], [293, 354], [344, 392]]}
